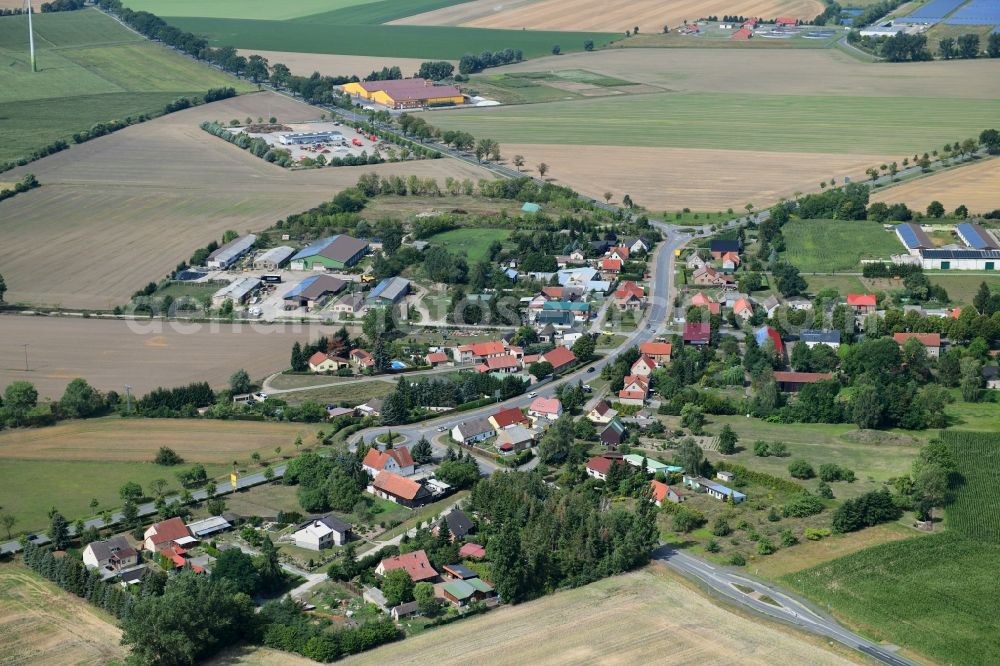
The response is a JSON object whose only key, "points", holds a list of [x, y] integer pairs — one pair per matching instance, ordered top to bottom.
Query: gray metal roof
{"points": [[343, 248], [233, 249], [276, 255], [390, 288], [237, 289], [820, 336], [208, 526]]}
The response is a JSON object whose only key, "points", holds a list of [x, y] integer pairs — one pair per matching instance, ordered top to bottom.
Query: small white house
{"points": [[322, 533], [110, 556]]}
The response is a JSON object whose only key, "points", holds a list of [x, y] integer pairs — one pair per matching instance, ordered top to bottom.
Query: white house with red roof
{"points": [[621, 253], [730, 261], [610, 268], [630, 296], [862, 304], [743, 309], [932, 341], [658, 351], [560, 358], [362, 359], [434, 359], [321, 362], [505, 364], [643, 366], [635, 390], [545, 409], [602, 413], [508, 418], [398, 461], [599, 466], [664, 493], [164, 534], [415, 564]]}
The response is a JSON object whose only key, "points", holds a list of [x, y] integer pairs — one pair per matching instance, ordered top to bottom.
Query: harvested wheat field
{"points": [[600, 15], [304, 64], [820, 72], [674, 178], [975, 185], [117, 212], [144, 354], [114, 439], [642, 617], [41, 624], [250, 655]]}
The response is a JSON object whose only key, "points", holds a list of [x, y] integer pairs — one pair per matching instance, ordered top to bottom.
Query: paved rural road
{"points": [[722, 581]]}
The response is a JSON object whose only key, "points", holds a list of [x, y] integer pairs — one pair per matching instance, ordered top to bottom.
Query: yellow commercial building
{"points": [[405, 93]]}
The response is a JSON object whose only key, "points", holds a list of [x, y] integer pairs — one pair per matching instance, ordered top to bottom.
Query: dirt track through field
{"points": [[602, 16], [304, 64], [674, 178], [977, 186], [117, 212], [145, 355], [642, 617], [41, 624]]}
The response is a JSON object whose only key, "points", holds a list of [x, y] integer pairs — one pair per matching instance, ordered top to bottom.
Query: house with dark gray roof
{"points": [[472, 431], [459, 524], [110, 556]]}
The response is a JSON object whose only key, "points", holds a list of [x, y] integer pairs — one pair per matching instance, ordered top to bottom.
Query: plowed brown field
{"points": [[604, 16], [674, 178], [976, 185], [117, 212]]}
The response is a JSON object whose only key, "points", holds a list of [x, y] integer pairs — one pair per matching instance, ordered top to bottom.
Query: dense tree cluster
{"points": [[471, 63], [436, 70], [410, 395], [179, 401], [324, 483], [870, 509], [540, 538], [283, 626]]}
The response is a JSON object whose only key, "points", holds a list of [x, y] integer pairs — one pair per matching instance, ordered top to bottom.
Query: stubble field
{"points": [[648, 15], [304, 64], [977, 186], [120, 211], [109, 353], [114, 439], [641, 617], [41, 624]]}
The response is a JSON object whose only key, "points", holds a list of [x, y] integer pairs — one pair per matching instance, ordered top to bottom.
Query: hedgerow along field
{"points": [[96, 69], [819, 246], [929, 593]]}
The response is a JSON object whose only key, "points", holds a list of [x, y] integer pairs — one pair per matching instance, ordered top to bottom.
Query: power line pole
{"points": [[31, 39], [128, 399]]}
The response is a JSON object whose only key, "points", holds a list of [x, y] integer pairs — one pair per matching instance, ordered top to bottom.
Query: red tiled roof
{"points": [[742, 33], [620, 250], [731, 256], [611, 264], [629, 287], [553, 292], [700, 299], [861, 299], [742, 305], [954, 314], [697, 331], [926, 339], [488, 348], [655, 348], [437, 357], [559, 357], [317, 358], [531, 358], [501, 362], [650, 363], [801, 377], [545, 405], [508, 417], [378, 459], [602, 464], [394, 484], [660, 490], [168, 530], [473, 550], [416, 564]]}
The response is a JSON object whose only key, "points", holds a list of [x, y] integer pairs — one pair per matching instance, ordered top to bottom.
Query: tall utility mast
{"points": [[31, 39]]}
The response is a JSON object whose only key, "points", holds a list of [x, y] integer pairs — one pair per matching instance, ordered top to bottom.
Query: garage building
{"points": [[299, 138], [336, 252], [228, 254], [273, 259], [961, 260], [237, 291], [313, 291], [389, 292]]}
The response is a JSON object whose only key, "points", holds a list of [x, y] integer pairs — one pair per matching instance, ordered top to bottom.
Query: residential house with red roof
{"points": [[785, 22], [619, 252], [730, 261], [610, 268], [706, 276], [630, 296], [862, 304], [743, 309], [697, 333], [932, 341], [658, 351], [560, 358], [362, 359], [434, 359], [321, 362], [505, 364], [643, 366], [635, 391], [545, 409], [602, 413], [508, 418], [398, 461], [599, 466], [399, 489], [664, 493], [164, 533], [472, 551], [415, 564]]}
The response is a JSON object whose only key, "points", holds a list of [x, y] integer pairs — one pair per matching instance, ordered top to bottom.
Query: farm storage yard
{"points": [[977, 186], [109, 199], [645, 616]]}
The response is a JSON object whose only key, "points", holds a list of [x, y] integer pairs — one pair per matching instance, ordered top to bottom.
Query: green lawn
{"points": [[325, 34], [96, 69], [706, 120], [474, 243], [836, 245], [845, 284], [962, 288], [354, 393], [31, 487], [927, 593]]}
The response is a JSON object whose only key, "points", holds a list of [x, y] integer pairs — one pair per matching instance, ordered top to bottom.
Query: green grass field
{"points": [[265, 10], [401, 41], [96, 69], [707, 120], [474, 243], [835, 245], [962, 288], [31, 487], [927, 593]]}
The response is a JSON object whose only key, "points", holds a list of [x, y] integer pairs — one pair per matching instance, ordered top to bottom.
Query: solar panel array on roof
{"points": [[975, 236], [909, 237], [315, 248], [961, 254], [302, 286]]}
